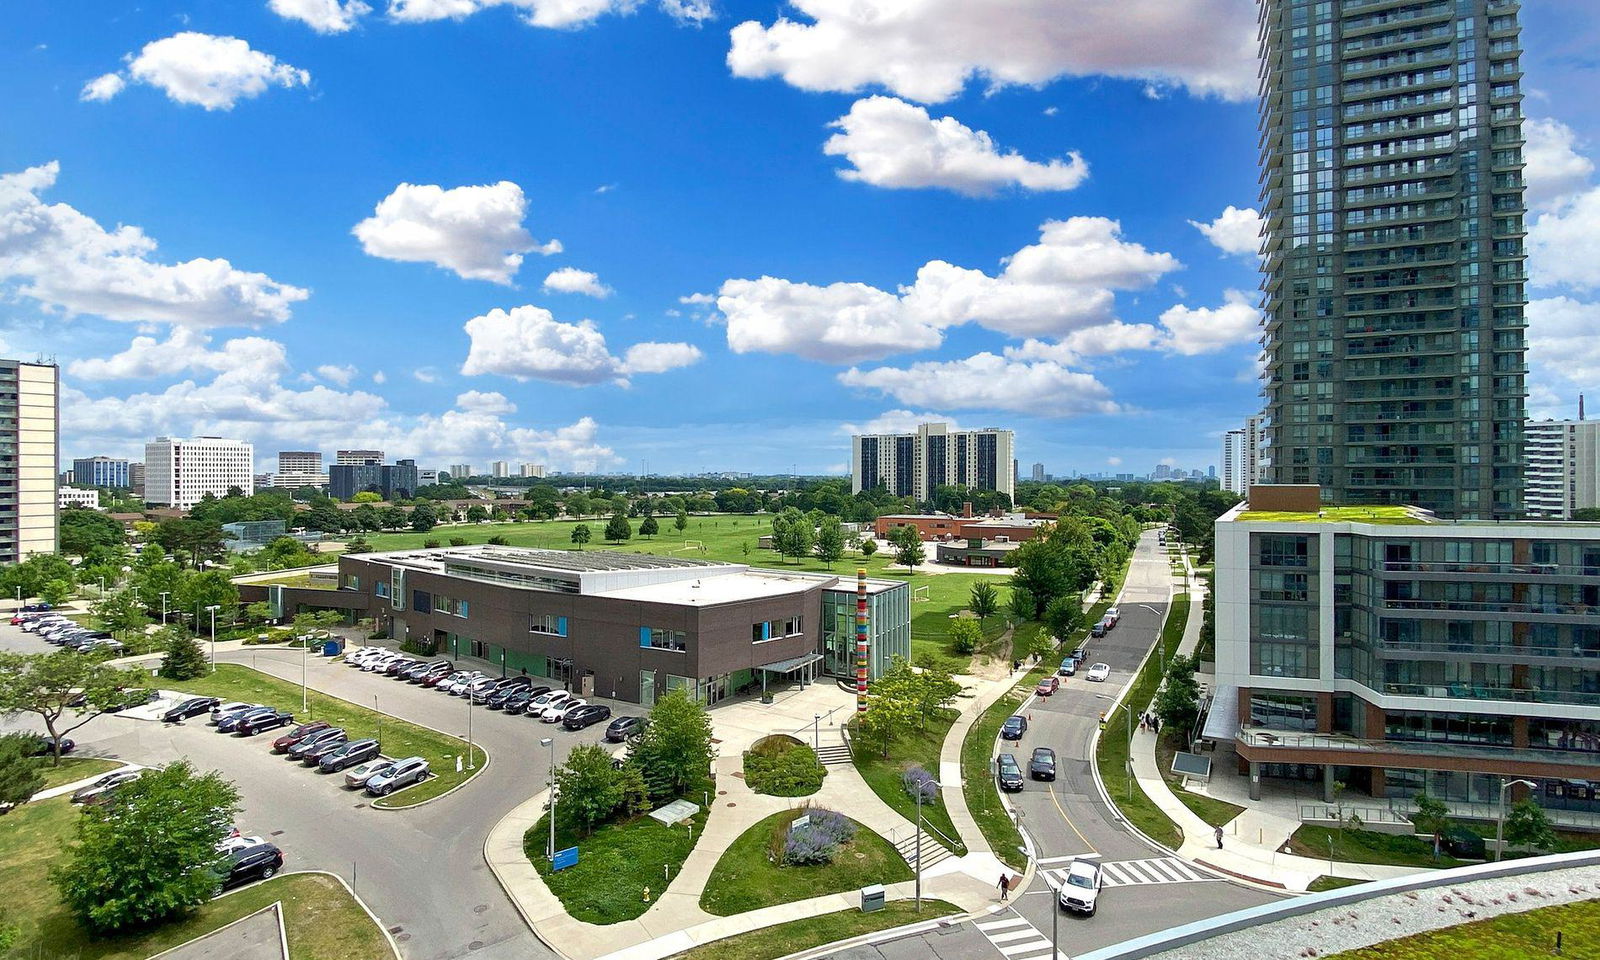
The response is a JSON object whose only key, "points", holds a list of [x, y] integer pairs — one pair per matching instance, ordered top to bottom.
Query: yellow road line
{"points": [[1062, 810]]}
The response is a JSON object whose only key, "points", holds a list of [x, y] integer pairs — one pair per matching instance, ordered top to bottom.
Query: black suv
{"points": [[193, 707], [586, 716], [1014, 727], [622, 728], [1042, 766], [1009, 773], [259, 862]]}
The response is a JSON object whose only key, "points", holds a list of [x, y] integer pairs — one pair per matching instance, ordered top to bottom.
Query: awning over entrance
{"points": [[792, 664], [1222, 719]]}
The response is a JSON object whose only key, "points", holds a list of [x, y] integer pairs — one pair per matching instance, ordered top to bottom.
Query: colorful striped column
{"points": [[861, 640]]}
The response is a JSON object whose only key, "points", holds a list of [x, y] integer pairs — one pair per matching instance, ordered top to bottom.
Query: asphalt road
{"points": [[1146, 890]]}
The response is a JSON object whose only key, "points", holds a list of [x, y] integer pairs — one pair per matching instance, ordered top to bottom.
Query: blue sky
{"points": [[538, 230]]}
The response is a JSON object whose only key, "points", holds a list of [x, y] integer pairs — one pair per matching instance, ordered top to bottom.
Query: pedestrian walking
{"points": [[1142, 721], [1155, 724], [1219, 838], [1005, 887]]}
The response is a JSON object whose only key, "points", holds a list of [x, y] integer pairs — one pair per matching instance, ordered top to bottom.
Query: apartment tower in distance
{"points": [[1392, 249], [29, 435], [348, 457], [914, 464], [1563, 468], [100, 472], [179, 473]]}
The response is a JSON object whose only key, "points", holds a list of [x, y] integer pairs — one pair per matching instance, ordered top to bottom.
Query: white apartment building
{"points": [[29, 440], [357, 457], [1244, 457], [914, 464], [300, 468], [499, 468], [1563, 468], [532, 470], [460, 471], [179, 473], [77, 497]]}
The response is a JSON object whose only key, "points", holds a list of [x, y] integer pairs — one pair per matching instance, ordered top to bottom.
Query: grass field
{"points": [[1372, 514], [730, 538], [399, 738], [919, 747], [73, 769], [977, 783], [1210, 809], [1366, 846], [622, 866], [744, 879], [322, 920], [797, 935], [1514, 936]]}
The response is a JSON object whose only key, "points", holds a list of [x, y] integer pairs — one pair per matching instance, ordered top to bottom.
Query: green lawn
{"points": [[1373, 514], [730, 538], [299, 577], [400, 739], [919, 747], [1112, 754], [73, 769], [977, 783], [1210, 809], [1366, 846], [617, 864], [746, 879], [1328, 882], [322, 920], [797, 935], [1513, 936]]}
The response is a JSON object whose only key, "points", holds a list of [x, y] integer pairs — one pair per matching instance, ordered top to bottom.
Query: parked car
{"points": [[39, 607], [1114, 615], [1098, 630], [1082, 653], [379, 663], [399, 665], [1069, 667], [416, 673], [1099, 673], [440, 680], [460, 685], [1047, 686], [506, 690], [478, 691], [515, 701], [545, 701], [233, 706], [192, 707], [558, 712], [587, 715], [259, 720], [229, 723], [1014, 727], [622, 728], [333, 735], [289, 739], [327, 743], [43, 746], [348, 755], [1042, 765], [404, 773], [1009, 774], [358, 777], [100, 790], [1458, 841], [235, 842], [259, 862], [1081, 888]]}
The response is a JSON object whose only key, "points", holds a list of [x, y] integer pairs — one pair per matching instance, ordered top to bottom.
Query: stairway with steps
{"points": [[830, 754], [932, 850]]}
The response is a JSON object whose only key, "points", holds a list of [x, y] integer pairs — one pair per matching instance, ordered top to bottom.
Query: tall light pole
{"points": [[164, 594], [212, 609], [1161, 648], [305, 658], [469, 729], [816, 731], [921, 787], [1500, 822], [550, 848]]}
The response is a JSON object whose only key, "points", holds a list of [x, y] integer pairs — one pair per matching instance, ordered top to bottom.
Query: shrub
{"points": [[458, 541], [430, 544], [781, 766], [918, 780], [817, 842]]}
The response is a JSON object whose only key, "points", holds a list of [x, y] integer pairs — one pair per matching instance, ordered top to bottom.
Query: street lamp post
{"points": [[164, 594], [212, 609], [1161, 649], [305, 658], [469, 730], [816, 731], [922, 786], [1500, 822], [550, 848]]}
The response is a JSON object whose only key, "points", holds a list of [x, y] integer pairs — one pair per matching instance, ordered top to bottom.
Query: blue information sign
{"points": [[565, 858]]}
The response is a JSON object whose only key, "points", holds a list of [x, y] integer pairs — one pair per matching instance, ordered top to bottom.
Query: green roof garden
{"points": [[1372, 514]]}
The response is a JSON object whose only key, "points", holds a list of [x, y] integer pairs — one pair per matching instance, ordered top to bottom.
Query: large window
{"points": [[1278, 550], [450, 605], [547, 623], [775, 629], [658, 638], [1283, 660], [1282, 711]]}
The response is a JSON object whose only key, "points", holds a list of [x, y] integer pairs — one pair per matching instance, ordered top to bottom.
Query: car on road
{"points": [[1114, 615], [1098, 630], [1082, 653], [1069, 667], [1099, 673], [1047, 686], [544, 701], [233, 706], [192, 707], [558, 712], [587, 715], [260, 720], [229, 722], [1014, 727], [622, 728], [332, 735], [289, 739], [43, 746], [312, 755], [348, 755], [1042, 765], [404, 773], [1008, 773], [358, 777], [100, 790], [258, 862], [1080, 889]]}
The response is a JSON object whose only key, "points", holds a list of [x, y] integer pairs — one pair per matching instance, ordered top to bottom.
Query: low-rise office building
{"points": [[77, 497], [628, 626], [1395, 653]]}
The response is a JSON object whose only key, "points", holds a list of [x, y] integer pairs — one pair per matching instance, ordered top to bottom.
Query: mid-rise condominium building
{"points": [[1393, 251], [29, 439], [358, 456], [1242, 457], [915, 464], [299, 468], [499, 468], [1563, 468], [532, 469], [460, 471], [109, 472], [179, 473], [136, 478], [394, 481], [78, 497], [1382, 648]]}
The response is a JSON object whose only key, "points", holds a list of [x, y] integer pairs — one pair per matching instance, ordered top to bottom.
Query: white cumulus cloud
{"points": [[560, 14], [323, 16], [927, 50], [200, 69], [102, 88], [891, 143], [1555, 169], [475, 231], [1235, 231], [68, 262], [573, 280], [1197, 330], [527, 342], [184, 350], [336, 373], [985, 381], [897, 421]]}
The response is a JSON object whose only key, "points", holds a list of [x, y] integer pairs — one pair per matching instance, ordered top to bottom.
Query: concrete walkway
{"points": [[77, 785], [1252, 839]]}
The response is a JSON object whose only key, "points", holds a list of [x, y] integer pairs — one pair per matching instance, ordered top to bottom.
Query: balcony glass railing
{"points": [[1495, 606], [1289, 740]]}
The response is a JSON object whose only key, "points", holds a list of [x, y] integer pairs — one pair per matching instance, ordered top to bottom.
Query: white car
{"points": [[1114, 615], [354, 657], [378, 663], [1099, 673], [461, 685], [546, 701], [227, 709], [558, 713], [403, 773], [359, 776], [230, 844], [1080, 888]]}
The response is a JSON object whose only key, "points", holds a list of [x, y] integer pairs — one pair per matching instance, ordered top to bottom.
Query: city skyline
{"points": [[310, 335]]}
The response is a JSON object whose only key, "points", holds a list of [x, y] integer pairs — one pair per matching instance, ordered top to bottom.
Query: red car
{"points": [[1047, 686]]}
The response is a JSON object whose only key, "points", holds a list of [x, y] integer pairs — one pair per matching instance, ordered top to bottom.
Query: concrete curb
{"points": [[505, 886], [276, 906], [880, 936], [394, 948]]}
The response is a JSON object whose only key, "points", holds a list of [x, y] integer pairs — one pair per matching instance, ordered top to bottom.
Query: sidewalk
{"points": [[77, 785], [1252, 838]]}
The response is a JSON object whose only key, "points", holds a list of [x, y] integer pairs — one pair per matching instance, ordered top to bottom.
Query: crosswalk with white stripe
{"points": [[1128, 873], [1016, 938]]}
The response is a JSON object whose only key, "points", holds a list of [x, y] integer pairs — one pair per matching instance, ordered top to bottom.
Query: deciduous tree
{"points": [[649, 527], [618, 528], [581, 535], [830, 541], [908, 549], [984, 601], [65, 690], [675, 750], [21, 773], [590, 790], [1527, 825]]}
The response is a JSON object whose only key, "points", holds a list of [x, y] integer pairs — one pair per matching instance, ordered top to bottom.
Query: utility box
{"points": [[872, 898]]}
